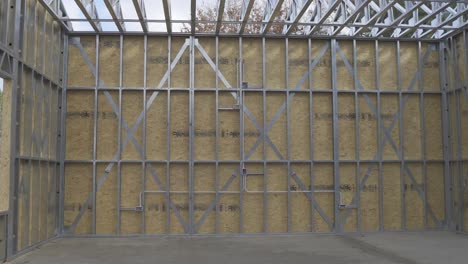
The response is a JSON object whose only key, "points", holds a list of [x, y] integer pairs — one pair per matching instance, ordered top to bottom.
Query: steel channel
{"points": [[465, 87], [16, 97], [96, 109], [29, 113], [31, 127], [423, 128], [311, 131], [459, 133], [191, 134], [288, 134], [401, 134], [119, 135], [62, 137], [168, 138], [217, 138], [446, 138], [357, 139], [241, 140], [379, 140], [48, 153], [56, 155], [336, 157], [265, 179], [143, 181]]}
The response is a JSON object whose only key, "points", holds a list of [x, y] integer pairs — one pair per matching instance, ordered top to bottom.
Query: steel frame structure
{"points": [[433, 19], [440, 21], [36, 88], [456, 89], [238, 93]]}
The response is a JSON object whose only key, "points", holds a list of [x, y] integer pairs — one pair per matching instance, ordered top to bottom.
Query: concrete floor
{"points": [[382, 248]]}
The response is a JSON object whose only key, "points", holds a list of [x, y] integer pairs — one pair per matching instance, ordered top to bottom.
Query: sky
{"points": [[1, 84]]}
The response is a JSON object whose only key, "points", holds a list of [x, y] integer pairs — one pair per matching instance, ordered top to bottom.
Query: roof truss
{"points": [[89, 11], [399, 19]]}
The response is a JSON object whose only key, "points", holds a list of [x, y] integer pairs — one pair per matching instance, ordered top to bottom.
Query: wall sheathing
{"points": [[31, 56], [456, 86], [172, 135]]}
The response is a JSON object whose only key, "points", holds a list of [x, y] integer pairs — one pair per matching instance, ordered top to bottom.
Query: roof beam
{"points": [[247, 6], [140, 10], [89, 11], [193, 11], [271, 11], [55, 12], [116, 13], [167, 15], [295, 16], [324, 17], [219, 18], [400, 18], [374, 19], [348, 20], [448, 20], [416, 26], [454, 31]]}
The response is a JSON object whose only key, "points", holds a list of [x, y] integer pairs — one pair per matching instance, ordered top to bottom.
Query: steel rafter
{"points": [[247, 6], [437, 8], [462, 9], [56, 10], [297, 10], [89, 11], [115, 11], [271, 11], [356, 12], [141, 13], [167, 14], [327, 14], [379, 14], [193, 15], [403, 16], [219, 17], [372, 19]]}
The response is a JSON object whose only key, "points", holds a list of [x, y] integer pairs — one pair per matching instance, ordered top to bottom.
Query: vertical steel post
{"points": [[464, 91], [458, 93], [96, 94], [29, 113], [311, 129], [423, 129], [191, 134], [288, 134], [401, 134], [119, 135], [62, 137], [379, 137], [168, 139], [357, 139], [241, 142], [336, 155], [144, 157], [265, 173], [448, 188], [217, 197], [12, 236]]}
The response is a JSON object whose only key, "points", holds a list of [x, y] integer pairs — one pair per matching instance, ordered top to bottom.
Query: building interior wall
{"points": [[31, 62], [456, 72], [353, 136]]}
